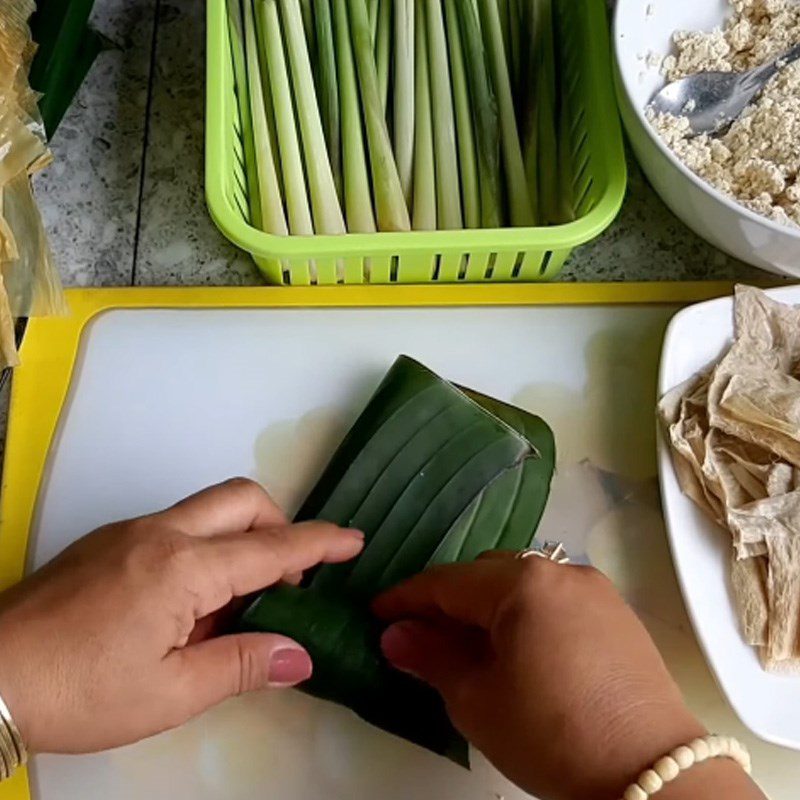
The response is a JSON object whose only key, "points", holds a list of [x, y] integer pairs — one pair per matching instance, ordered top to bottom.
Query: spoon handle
{"points": [[759, 76]]}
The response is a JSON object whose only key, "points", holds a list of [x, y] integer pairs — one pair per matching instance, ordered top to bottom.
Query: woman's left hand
{"points": [[115, 640]]}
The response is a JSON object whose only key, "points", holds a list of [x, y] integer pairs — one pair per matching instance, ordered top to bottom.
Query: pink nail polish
{"points": [[289, 666]]}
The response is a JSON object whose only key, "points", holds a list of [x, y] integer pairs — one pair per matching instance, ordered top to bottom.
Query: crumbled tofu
{"points": [[757, 31], [652, 60], [757, 161]]}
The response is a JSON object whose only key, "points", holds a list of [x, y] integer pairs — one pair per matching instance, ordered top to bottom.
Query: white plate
{"points": [[767, 704]]}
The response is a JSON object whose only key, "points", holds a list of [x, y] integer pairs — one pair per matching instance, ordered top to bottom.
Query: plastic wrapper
{"points": [[31, 280], [29, 283]]}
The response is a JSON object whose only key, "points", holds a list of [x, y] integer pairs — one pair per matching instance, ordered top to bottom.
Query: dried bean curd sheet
{"points": [[734, 431]]}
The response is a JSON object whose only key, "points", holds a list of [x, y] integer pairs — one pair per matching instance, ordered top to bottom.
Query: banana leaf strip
{"points": [[57, 27], [66, 49], [58, 96], [432, 474]]}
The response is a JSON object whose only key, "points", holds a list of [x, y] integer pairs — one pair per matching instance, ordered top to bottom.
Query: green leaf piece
{"points": [[57, 27], [66, 50], [58, 95], [433, 474], [512, 505], [343, 640]]}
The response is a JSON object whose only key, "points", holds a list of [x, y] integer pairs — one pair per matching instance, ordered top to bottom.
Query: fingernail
{"points": [[356, 534], [398, 645], [289, 666]]}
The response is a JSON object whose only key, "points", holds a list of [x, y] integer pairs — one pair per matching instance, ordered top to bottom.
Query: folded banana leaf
{"points": [[66, 49], [432, 474]]}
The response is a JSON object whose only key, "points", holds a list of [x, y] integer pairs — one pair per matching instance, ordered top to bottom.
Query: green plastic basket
{"points": [[507, 254]]}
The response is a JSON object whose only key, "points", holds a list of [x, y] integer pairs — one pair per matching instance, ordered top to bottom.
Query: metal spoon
{"points": [[713, 100]]}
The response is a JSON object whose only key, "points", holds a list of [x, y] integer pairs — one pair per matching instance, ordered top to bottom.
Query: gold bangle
{"points": [[13, 753], [683, 758]]}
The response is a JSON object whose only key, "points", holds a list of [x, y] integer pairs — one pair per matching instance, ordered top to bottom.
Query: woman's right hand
{"points": [[546, 670]]}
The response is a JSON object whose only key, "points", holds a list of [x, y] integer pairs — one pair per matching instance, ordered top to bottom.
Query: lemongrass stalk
{"points": [[372, 10], [502, 13], [515, 20], [308, 22], [237, 43], [383, 49], [328, 88], [266, 92], [403, 96], [528, 111], [485, 114], [547, 143], [565, 165], [424, 166], [294, 181], [357, 192], [448, 193], [470, 193], [324, 199], [390, 205], [521, 210], [272, 215]]}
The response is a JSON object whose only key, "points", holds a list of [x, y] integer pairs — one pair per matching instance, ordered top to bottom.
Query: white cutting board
{"points": [[165, 402]]}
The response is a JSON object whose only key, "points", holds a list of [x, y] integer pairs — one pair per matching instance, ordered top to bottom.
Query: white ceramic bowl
{"points": [[643, 28]]}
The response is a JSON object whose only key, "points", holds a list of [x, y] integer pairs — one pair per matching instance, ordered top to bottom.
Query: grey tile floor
{"points": [[124, 204]]}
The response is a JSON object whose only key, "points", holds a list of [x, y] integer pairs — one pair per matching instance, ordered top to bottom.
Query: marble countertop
{"points": [[124, 204]]}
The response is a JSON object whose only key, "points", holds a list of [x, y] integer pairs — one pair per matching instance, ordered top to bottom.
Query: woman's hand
{"points": [[114, 640], [545, 669]]}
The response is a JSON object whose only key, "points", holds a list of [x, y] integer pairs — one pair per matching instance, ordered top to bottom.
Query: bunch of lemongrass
{"points": [[388, 115]]}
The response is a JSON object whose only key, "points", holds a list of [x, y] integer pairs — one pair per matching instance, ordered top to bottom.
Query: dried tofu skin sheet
{"points": [[22, 142], [32, 281], [8, 345], [683, 412], [734, 432], [749, 582]]}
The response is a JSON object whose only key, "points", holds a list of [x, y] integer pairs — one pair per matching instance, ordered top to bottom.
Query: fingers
{"points": [[231, 507], [489, 555], [241, 564], [467, 593], [218, 622], [439, 655], [212, 671]]}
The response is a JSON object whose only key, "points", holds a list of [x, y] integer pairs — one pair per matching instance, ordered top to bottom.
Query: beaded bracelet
{"points": [[13, 753], [684, 758]]}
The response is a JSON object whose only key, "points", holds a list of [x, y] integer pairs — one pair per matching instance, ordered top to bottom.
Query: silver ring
{"points": [[552, 551]]}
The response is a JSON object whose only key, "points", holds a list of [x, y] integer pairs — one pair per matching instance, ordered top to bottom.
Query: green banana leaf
{"points": [[57, 27], [66, 49], [58, 96], [432, 474]]}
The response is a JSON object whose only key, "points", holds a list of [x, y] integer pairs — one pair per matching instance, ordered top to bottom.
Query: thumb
{"points": [[438, 655], [217, 669]]}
